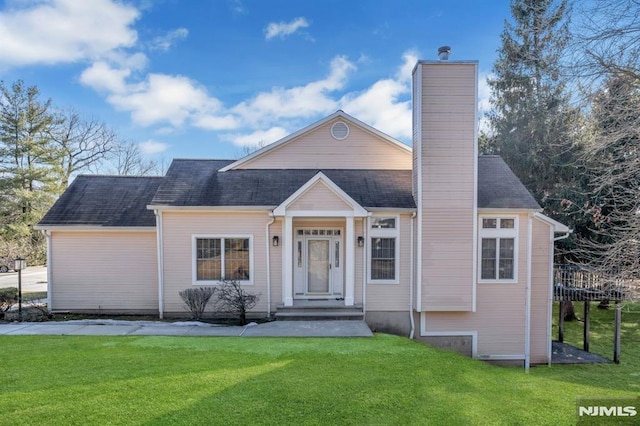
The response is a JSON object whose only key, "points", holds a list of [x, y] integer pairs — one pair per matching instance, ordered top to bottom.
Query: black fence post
{"points": [[587, 319], [616, 333]]}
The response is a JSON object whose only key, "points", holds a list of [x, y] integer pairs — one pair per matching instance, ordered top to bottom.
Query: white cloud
{"points": [[238, 7], [283, 29], [61, 31], [166, 41], [102, 77], [158, 98], [164, 98], [174, 101], [297, 102], [386, 104], [216, 122], [258, 138], [151, 147]]}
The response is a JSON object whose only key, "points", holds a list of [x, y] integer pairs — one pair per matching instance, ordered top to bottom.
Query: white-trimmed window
{"points": [[383, 249], [498, 251], [218, 258]]}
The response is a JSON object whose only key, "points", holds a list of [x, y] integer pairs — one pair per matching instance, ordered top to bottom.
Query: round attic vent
{"points": [[340, 130]]}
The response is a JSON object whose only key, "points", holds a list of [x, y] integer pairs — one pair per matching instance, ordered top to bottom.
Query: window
{"points": [[383, 250], [498, 255], [221, 258], [383, 258]]}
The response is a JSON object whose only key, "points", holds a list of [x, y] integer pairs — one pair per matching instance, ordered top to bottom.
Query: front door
{"points": [[317, 263], [318, 266]]}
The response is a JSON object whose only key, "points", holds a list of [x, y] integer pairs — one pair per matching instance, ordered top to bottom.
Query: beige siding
{"points": [[317, 149], [447, 151], [319, 197], [179, 229], [104, 271], [394, 297], [500, 313], [540, 315], [499, 319]]}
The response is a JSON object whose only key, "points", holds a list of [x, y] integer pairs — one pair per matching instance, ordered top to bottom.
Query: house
{"points": [[434, 242]]}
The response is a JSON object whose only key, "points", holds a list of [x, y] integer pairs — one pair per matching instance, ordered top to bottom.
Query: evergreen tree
{"points": [[532, 124], [28, 175]]}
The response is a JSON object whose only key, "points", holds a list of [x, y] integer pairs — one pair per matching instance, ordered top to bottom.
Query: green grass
{"points": [[33, 295], [383, 380]]}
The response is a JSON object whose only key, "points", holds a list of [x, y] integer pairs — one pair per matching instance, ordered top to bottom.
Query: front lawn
{"points": [[382, 380]]}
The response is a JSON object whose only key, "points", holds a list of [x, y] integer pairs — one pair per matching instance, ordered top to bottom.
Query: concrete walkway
{"points": [[188, 328]]}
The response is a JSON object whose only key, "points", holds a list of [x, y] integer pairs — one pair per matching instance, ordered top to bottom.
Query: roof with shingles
{"points": [[198, 183], [499, 188], [110, 201], [113, 201]]}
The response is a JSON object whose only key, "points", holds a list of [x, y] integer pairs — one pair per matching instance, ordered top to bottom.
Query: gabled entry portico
{"points": [[319, 261]]}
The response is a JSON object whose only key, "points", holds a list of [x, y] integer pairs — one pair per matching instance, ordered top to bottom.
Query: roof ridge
{"points": [[203, 159], [121, 176]]}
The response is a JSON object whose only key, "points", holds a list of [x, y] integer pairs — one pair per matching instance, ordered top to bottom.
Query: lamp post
{"points": [[19, 265]]}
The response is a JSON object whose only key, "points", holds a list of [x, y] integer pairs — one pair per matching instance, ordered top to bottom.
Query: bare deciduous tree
{"points": [[607, 64], [84, 143], [128, 161], [232, 298]]}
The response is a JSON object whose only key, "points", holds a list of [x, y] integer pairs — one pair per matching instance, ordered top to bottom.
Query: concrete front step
{"points": [[319, 312]]}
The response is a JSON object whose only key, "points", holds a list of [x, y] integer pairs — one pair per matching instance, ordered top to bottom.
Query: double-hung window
{"points": [[498, 249], [383, 250], [222, 258]]}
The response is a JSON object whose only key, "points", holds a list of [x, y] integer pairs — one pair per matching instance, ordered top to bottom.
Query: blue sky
{"points": [[203, 79]]}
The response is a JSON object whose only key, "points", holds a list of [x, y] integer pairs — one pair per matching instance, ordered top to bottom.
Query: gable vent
{"points": [[340, 130]]}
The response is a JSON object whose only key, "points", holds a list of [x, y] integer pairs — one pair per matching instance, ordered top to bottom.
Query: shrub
{"points": [[8, 298], [233, 299], [196, 300]]}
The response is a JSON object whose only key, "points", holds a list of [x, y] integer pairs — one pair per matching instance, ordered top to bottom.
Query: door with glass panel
{"points": [[318, 265]]}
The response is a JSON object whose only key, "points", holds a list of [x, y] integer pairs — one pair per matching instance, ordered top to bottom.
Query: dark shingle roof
{"points": [[198, 183], [499, 188], [105, 201], [122, 201]]}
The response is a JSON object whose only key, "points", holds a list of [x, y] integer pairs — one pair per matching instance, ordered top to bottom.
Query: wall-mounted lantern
{"points": [[275, 241], [361, 241]]}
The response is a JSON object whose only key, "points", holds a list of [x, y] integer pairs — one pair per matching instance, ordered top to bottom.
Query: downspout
{"points": [[273, 219], [159, 237], [411, 279], [550, 296], [527, 303]]}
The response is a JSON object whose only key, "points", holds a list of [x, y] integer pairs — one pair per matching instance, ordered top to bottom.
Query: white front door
{"points": [[317, 264]]}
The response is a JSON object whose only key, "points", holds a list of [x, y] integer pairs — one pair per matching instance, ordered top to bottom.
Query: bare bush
{"points": [[8, 298], [233, 299], [196, 300]]}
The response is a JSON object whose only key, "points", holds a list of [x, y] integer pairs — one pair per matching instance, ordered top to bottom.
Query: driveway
{"points": [[34, 278]]}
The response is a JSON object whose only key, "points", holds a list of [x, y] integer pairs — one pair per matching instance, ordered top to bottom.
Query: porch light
{"points": [[275, 241], [360, 241], [19, 264]]}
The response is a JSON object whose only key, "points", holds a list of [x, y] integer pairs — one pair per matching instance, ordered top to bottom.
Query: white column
{"points": [[287, 262], [349, 262]]}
